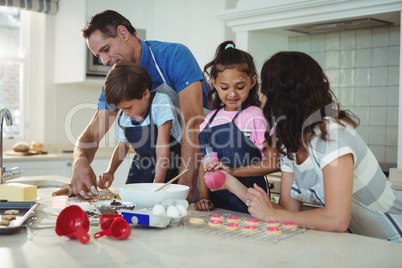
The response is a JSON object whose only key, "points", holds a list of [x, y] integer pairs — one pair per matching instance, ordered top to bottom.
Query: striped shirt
{"points": [[162, 111], [373, 195]]}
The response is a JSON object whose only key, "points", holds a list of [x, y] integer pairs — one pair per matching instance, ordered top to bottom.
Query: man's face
{"points": [[110, 49]]}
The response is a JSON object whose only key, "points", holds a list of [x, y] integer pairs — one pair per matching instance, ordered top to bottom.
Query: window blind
{"points": [[43, 6]]}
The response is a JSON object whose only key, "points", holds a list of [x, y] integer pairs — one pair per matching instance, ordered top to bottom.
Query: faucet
{"points": [[13, 172]]}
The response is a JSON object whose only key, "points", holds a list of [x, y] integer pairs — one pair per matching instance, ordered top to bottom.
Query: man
{"points": [[173, 70]]}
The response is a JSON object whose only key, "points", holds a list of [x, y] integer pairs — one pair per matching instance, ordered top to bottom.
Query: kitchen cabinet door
{"points": [[71, 49], [40, 168]]}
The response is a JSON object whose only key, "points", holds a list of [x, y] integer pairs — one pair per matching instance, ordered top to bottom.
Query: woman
{"points": [[323, 159]]}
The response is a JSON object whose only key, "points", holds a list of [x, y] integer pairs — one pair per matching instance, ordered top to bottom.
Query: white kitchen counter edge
{"points": [[103, 154], [177, 247]]}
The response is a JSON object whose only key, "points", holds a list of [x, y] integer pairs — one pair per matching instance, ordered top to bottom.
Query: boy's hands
{"points": [[105, 180]]}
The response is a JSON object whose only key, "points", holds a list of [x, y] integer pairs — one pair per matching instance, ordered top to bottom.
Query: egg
{"points": [[167, 202], [182, 202], [158, 209], [182, 210], [173, 212]]}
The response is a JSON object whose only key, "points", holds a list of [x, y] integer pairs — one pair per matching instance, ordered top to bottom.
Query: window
{"points": [[11, 68]]}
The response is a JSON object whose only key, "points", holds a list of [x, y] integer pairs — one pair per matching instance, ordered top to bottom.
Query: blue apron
{"points": [[143, 139], [235, 150]]}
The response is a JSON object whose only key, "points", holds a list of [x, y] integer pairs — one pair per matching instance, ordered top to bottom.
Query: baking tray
{"points": [[113, 206], [103, 207], [25, 209], [259, 235]]}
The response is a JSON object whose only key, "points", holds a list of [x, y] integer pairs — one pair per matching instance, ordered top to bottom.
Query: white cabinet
{"points": [[70, 47], [40, 168], [64, 168]]}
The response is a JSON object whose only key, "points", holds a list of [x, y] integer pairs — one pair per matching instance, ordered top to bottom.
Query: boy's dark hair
{"points": [[107, 22], [227, 56], [126, 81], [298, 91]]}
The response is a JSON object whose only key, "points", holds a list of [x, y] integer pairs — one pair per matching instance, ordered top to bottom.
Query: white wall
{"points": [[192, 23], [263, 45], [363, 69]]}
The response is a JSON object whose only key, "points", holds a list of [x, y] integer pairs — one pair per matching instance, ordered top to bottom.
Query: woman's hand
{"points": [[216, 166], [105, 180], [259, 204], [204, 205]]}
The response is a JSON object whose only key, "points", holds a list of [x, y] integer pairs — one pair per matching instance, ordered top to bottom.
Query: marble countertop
{"points": [[181, 247]]}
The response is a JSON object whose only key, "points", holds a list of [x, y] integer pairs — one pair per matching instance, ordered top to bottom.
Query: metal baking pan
{"points": [[25, 209]]}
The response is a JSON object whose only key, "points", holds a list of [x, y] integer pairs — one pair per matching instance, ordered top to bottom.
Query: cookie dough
{"points": [[12, 212], [8, 217], [5, 222]]}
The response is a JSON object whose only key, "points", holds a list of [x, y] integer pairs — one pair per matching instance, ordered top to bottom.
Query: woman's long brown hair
{"points": [[298, 98]]}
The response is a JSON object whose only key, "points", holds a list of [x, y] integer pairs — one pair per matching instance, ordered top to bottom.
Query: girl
{"points": [[148, 122], [235, 128], [323, 159]]}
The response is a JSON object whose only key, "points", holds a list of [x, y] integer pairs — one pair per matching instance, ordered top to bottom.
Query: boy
{"points": [[149, 124]]}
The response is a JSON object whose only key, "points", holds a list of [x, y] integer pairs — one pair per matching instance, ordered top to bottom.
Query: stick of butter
{"points": [[18, 192]]}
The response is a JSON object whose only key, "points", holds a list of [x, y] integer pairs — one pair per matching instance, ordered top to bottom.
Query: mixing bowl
{"points": [[143, 193]]}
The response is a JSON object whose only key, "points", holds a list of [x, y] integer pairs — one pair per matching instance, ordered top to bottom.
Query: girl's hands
{"points": [[215, 166], [105, 180], [231, 183], [259, 204], [204, 205], [207, 205]]}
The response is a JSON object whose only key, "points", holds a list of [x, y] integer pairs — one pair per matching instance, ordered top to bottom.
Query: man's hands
{"points": [[84, 152], [83, 175]]}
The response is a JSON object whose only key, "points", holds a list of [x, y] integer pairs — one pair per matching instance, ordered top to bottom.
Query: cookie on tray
{"points": [[12, 212], [196, 220], [215, 223], [232, 226]]}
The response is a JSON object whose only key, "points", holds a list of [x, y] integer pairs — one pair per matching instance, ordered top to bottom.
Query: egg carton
{"points": [[169, 212], [146, 218], [258, 235]]}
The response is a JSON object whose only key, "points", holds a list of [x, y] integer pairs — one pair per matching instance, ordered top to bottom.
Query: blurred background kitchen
{"points": [[46, 84]]}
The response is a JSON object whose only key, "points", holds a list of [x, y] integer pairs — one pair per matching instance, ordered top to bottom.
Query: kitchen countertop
{"points": [[55, 155], [180, 247]]}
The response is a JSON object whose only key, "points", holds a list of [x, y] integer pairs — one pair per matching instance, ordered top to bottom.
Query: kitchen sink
{"points": [[43, 181]]}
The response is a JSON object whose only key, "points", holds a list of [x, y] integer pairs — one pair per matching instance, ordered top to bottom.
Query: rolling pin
{"points": [[66, 189]]}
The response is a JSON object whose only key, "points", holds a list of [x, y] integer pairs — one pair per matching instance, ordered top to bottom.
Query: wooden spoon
{"points": [[172, 180]]}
